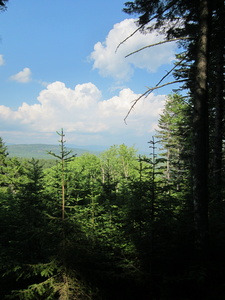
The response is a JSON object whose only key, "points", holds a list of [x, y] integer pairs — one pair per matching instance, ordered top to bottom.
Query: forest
{"points": [[120, 225], [113, 226]]}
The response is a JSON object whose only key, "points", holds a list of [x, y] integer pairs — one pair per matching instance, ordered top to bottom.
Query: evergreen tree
{"points": [[197, 24], [216, 106], [175, 136], [63, 157], [31, 210], [48, 252]]}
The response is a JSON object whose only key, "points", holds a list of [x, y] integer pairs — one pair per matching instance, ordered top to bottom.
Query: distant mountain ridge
{"points": [[39, 151]]}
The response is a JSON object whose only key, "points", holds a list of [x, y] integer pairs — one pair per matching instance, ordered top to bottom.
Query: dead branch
{"points": [[143, 25], [129, 36], [156, 44], [170, 71], [156, 86], [148, 92]]}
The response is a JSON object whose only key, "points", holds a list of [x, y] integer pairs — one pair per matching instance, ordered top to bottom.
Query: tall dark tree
{"points": [[182, 20], [216, 92], [201, 128]]}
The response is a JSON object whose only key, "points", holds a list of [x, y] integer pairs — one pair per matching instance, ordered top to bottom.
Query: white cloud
{"points": [[2, 62], [116, 65], [23, 76], [84, 114]]}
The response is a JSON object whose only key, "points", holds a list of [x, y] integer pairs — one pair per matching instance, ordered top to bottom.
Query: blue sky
{"points": [[59, 69]]}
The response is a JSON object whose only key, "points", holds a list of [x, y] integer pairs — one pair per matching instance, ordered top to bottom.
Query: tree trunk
{"points": [[219, 107], [201, 132]]}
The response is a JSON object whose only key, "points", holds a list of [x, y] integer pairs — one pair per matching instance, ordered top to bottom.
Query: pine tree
{"points": [[190, 21], [175, 136], [63, 157], [31, 210]]}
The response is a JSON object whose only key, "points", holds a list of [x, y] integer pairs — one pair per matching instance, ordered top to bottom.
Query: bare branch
{"points": [[143, 25], [129, 36], [156, 44], [170, 71], [156, 86], [148, 92], [53, 154]]}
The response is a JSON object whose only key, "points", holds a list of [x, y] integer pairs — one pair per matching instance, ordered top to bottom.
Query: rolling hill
{"points": [[39, 151]]}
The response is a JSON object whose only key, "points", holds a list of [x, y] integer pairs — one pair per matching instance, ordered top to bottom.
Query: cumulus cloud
{"points": [[2, 62], [114, 64], [23, 76], [82, 112]]}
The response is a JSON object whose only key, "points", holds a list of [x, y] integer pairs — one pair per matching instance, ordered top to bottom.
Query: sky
{"points": [[59, 68]]}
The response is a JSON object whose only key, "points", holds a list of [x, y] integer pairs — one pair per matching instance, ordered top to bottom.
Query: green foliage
{"points": [[175, 136], [127, 231], [58, 283]]}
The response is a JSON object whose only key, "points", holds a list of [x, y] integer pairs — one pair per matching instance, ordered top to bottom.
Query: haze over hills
{"points": [[40, 151]]}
